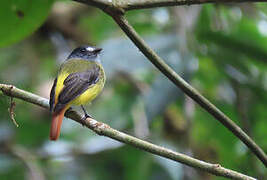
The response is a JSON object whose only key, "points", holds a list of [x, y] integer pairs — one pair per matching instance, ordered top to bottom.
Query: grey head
{"points": [[86, 52]]}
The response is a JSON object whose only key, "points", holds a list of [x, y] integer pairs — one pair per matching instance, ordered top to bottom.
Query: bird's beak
{"points": [[97, 50]]}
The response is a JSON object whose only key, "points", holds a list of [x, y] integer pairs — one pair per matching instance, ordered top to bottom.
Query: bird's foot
{"points": [[86, 115], [83, 122]]}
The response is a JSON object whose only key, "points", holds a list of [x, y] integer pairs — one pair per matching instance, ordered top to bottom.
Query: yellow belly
{"points": [[89, 94]]}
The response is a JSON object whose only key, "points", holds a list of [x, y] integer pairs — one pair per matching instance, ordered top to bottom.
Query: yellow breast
{"points": [[91, 92], [88, 95]]}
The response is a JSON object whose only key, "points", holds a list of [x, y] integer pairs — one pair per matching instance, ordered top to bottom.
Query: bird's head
{"points": [[86, 52]]}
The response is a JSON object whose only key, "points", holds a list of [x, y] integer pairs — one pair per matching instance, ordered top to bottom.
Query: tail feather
{"points": [[56, 124]]}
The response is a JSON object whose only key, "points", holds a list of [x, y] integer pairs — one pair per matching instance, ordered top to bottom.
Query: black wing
{"points": [[75, 84], [52, 96]]}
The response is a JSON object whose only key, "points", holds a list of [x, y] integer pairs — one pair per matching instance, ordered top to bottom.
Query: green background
{"points": [[219, 49]]}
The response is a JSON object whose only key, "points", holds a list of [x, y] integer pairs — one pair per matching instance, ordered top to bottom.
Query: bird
{"points": [[80, 79]]}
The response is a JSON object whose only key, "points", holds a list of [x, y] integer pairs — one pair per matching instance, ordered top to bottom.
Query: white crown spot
{"points": [[90, 49]]}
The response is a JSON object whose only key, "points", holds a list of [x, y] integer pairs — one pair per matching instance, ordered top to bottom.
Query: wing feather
{"points": [[75, 84], [52, 96]]}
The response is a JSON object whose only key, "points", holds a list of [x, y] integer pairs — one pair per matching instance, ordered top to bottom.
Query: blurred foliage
{"points": [[20, 18], [223, 55]]}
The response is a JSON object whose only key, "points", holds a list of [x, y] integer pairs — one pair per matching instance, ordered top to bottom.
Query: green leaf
{"points": [[20, 18]]}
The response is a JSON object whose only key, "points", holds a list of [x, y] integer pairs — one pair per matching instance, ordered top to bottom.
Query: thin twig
{"points": [[11, 111], [105, 130]]}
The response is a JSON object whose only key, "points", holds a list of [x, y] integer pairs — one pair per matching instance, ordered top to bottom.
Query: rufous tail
{"points": [[56, 124]]}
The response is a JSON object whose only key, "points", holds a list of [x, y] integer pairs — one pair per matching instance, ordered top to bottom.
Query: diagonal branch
{"points": [[116, 9], [187, 88], [105, 130]]}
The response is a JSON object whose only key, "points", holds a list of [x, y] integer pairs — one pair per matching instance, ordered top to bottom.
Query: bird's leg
{"points": [[86, 115]]}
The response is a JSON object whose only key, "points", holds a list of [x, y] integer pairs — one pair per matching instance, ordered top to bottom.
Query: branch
{"points": [[127, 5], [116, 10], [186, 88], [105, 130]]}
